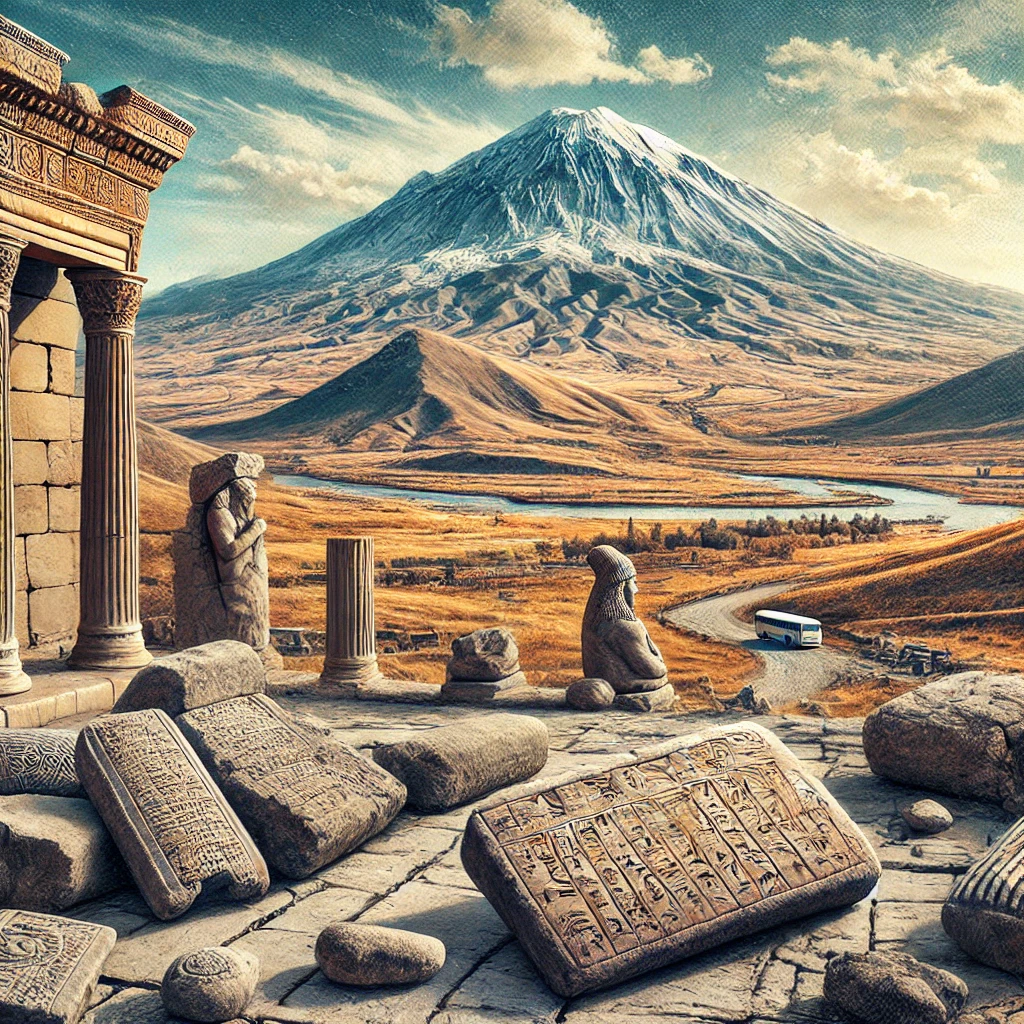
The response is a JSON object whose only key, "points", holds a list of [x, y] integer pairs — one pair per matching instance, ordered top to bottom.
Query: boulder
{"points": [[485, 655], [194, 678], [480, 693], [590, 694], [662, 699], [962, 734], [38, 761], [444, 767], [305, 797], [927, 816], [723, 833], [178, 835], [54, 853], [368, 955], [49, 966], [210, 985], [892, 988]]}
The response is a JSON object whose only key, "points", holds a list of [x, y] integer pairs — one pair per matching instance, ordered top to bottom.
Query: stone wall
{"points": [[46, 425]]}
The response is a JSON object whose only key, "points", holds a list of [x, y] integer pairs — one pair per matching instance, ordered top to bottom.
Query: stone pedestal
{"points": [[109, 630], [351, 639], [12, 678]]}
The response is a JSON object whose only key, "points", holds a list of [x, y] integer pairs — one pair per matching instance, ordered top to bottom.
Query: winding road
{"points": [[787, 675]]}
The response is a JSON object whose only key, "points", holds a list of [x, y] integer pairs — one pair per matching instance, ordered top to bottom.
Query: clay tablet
{"points": [[38, 761], [305, 797], [172, 824], [698, 841], [49, 966]]}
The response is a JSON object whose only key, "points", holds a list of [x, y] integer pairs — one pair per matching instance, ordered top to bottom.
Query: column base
{"points": [[110, 652], [350, 673], [13, 683]]}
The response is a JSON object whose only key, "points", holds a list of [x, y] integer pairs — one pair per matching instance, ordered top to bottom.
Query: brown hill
{"points": [[169, 456]]}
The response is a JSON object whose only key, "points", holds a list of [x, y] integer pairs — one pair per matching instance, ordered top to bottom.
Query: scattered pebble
{"points": [[927, 816], [367, 954], [210, 985]]}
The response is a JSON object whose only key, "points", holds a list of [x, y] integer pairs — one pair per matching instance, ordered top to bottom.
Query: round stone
{"points": [[589, 694], [927, 816], [367, 954], [210, 985]]}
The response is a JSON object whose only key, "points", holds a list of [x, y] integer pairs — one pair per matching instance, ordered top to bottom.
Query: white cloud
{"points": [[971, 25], [535, 43]]}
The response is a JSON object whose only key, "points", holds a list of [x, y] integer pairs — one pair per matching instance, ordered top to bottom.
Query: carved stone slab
{"points": [[194, 678], [38, 761], [305, 797], [177, 833], [695, 842], [54, 853], [984, 912], [49, 966]]}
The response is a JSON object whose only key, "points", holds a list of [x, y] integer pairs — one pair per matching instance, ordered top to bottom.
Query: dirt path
{"points": [[786, 675]]}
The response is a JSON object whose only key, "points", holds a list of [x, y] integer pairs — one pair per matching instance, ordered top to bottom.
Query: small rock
{"points": [[485, 655], [590, 694], [927, 816], [367, 954], [210, 985], [893, 988]]}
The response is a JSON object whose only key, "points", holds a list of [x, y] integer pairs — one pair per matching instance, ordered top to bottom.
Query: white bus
{"points": [[791, 630]]}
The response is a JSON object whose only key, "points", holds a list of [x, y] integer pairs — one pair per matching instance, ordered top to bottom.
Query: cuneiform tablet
{"points": [[40, 761], [305, 797], [177, 833], [606, 875], [49, 966]]}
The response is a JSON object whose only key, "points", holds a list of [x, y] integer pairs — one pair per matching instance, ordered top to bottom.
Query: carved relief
{"points": [[26, 56], [10, 256], [107, 300], [38, 761]]}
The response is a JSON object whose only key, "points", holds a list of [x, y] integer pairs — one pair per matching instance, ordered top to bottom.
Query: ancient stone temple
{"points": [[76, 170]]}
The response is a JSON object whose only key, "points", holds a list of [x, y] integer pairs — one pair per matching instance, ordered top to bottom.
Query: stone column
{"points": [[109, 630], [351, 637], [12, 678]]}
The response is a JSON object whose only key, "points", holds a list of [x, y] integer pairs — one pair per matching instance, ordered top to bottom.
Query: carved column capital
{"points": [[10, 256], [108, 300]]}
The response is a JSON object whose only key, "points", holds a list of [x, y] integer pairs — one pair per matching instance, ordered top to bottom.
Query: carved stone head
{"points": [[235, 468], [614, 585]]}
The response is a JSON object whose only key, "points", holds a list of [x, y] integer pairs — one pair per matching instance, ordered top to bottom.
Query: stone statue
{"points": [[221, 589], [616, 645]]}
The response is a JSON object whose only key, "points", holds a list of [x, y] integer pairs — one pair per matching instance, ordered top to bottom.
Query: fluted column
{"points": [[109, 630], [351, 637], [12, 677]]}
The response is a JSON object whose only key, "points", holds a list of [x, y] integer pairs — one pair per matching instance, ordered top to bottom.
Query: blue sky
{"points": [[902, 124]]}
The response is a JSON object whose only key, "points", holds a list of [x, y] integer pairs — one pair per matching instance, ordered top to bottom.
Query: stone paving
{"points": [[410, 876]]}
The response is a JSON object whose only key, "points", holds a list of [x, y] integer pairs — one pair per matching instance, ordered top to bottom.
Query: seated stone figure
{"points": [[616, 644]]}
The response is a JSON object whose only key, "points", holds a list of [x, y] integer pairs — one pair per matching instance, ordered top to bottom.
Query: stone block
{"points": [[41, 280], [45, 322], [30, 367], [62, 371], [76, 408], [40, 417], [64, 463], [30, 465], [65, 509], [31, 510], [52, 559], [20, 565], [52, 613], [21, 619], [194, 678], [481, 692], [959, 735], [38, 761], [444, 767], [305, 797], [177, 834], [55, 853], [664, 854], [51, 967]]}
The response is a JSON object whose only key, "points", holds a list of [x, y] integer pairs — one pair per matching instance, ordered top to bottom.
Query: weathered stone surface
{"points": [[30, 367], [62, 371], [39, 417], [30, 463], [64, 463], [207, 478], [65, 509], [31, 514], [52, 559], [53, 612], [616, 645], [485, 655], [194, 678], [480, 692], [589, 694], [661, 699], [960, 735], [38, 761], [444, 767], [305, 797], [927, 816], [177, 833], [691, 844], [54, 853], [984, 912], [367, 955], [49, 966], [210, 985], [893, 988], [1006, 1011]]}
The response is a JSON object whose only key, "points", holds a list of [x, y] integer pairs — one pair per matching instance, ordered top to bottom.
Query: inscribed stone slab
{"points": [[38, 761], [603, 876]]}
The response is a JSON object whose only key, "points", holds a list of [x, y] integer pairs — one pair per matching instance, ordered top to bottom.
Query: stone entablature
{"points": [[76, 170]]}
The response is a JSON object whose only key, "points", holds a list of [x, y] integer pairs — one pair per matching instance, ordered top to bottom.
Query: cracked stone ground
{"points": [[410, 876]]}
